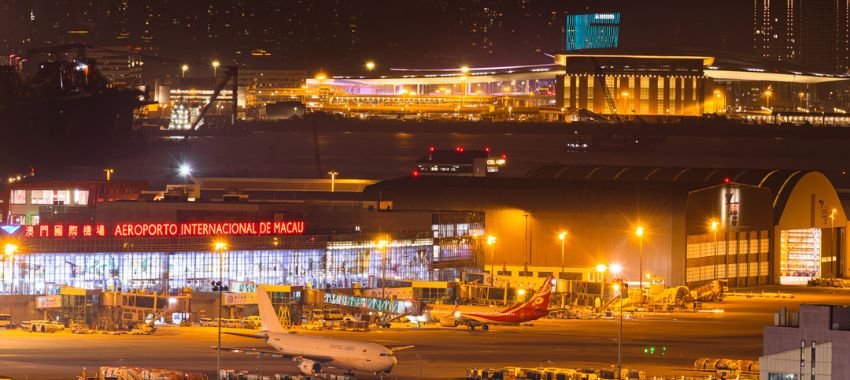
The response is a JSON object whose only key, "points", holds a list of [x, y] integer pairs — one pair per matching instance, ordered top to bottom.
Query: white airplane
{"points": [[311, 353]]}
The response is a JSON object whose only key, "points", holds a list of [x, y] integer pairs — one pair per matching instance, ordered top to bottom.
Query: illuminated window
{"points": [[18, 197], [41, 197], [63, 197], [81, 197], [18, 219]]}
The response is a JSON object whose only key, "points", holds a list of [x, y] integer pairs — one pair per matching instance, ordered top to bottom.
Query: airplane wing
{"points": [[401, 348], [315, 358]]}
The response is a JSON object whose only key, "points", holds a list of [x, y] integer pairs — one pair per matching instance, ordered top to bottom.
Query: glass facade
{"points": [[592, 31], [171, 264]]}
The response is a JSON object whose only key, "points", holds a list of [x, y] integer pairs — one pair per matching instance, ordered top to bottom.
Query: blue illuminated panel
{"points": [[592, 31]]}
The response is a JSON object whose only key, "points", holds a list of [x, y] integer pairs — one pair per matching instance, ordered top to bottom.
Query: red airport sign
{"points": [[73, 231]]}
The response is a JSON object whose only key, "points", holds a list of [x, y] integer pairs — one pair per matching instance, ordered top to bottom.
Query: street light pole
{"points": [[333, 174], [714, 225], [639, 232], [563, 237], [491, 240], [832, 244], [220, 247], [620, 335]]}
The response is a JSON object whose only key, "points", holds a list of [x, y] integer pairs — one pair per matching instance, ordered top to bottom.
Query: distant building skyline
{"points": [[812, 34], [340, 36]]}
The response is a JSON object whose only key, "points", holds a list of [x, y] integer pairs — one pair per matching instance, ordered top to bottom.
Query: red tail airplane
{"points": [[484, 316]]}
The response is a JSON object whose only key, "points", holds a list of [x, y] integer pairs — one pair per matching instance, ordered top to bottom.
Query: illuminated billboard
{"points": [[592, 31], [73, 231]]}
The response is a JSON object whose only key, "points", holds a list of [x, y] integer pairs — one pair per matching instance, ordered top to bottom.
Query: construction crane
{"points": [[231, 73], [600, 81]]}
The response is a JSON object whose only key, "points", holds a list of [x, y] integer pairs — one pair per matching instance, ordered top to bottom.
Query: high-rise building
{"points": [[592, 31], [813, 34], [120, 65]]}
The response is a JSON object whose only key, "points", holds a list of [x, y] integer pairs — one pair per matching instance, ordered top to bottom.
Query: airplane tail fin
{"points": [[540, 300], [268, 318]]}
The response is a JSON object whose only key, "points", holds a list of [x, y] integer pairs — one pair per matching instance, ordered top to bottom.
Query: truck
{"points": [[42, 326]]}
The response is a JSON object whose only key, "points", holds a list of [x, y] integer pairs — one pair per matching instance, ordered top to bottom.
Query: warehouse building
{"points": [[752, 227]]}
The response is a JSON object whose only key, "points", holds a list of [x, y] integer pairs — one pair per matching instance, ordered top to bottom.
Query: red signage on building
{"points": [[72, 231]]}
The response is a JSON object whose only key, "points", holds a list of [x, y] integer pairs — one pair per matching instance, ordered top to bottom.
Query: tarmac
{"points": [[731, 329]]}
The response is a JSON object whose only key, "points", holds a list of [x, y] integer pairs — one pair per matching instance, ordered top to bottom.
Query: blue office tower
{"points": [[592, 31]]}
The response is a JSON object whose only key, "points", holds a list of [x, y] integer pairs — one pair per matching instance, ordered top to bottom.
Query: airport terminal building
{"points": [[750, 227], [173, 244]]}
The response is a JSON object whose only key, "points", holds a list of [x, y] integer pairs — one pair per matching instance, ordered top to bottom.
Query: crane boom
{"points": [[231, 73], [600, 81]]}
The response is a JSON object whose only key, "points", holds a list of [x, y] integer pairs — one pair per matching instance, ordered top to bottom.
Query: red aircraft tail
{"points": [[540, 300]]}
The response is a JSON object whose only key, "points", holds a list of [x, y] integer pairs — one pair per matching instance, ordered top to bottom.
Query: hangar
{"points": [[752, 227]]}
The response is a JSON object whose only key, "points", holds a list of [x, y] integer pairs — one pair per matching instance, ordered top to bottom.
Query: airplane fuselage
{"points": [[487, 314], [344, 354]]}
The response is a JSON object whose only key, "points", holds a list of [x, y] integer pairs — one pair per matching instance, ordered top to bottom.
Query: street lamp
{"points": [[215, 65], [370, 65], [183, 70], [767, 94], [185, 170], [108, 172], [333, 174], [714, 226], [639, 233], [563, 237], [491, 241], [832, 243], [219, 246], [10, 250], [601, 269], [619, 287]]}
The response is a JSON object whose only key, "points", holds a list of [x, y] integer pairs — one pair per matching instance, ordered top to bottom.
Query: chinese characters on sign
{"points": [[73, 231]]}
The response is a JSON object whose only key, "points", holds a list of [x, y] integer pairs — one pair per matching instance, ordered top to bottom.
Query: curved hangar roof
{"points": [[781, 183]]}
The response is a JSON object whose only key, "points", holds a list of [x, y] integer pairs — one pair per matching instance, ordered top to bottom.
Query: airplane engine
{"points": [[448, 322], [309, 367]]}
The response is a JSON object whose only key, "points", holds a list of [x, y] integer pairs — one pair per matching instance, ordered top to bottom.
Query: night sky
{"points": [[340, 35]]}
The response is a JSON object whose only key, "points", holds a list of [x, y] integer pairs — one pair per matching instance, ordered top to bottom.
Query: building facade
{"points": [[592, 31], [814, 34], [121, 65], [632, 86], [28, 201], [773, 226], [173, 243], [811, 344]]}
